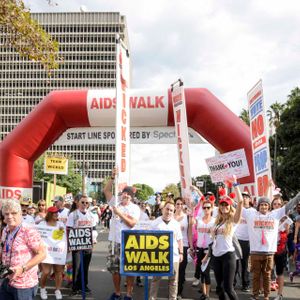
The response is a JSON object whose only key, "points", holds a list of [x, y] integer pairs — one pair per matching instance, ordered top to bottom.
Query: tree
{"points": [[26, 36], [274, 114], [244, 115], [288, 132], [72, 181], [209, 186], [171, 188], [143, 191]]}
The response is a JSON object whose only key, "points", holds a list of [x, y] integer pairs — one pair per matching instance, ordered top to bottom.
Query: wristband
{"points": [[236, 184]]}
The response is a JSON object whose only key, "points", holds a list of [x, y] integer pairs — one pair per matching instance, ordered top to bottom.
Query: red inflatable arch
{"points": [[61, 110]]}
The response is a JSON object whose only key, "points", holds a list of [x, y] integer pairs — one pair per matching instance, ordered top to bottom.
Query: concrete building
{"points": [[87, 48]]}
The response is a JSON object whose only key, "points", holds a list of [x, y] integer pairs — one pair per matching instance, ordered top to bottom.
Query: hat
{"points": [[129, 190], [170, 194], [208, 194], [246, 194], [58, 198], [226, 199], [263, 200], [24, 202], [52, 209]]}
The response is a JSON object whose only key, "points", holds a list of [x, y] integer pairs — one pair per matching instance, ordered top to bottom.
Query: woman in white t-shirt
{"points": [[186, 223], [204, 225], [223, 251]]}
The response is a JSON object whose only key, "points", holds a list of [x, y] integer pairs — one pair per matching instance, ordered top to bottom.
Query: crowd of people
{"points": [[242, 239]]}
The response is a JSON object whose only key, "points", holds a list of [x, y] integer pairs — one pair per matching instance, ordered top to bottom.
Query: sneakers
{"points": [[291, 277], [196, 282], [139, 284], [245, 288], [43, 294], [58, 294], [115, 297], [179, 297], [278, 297], [127, 298]]}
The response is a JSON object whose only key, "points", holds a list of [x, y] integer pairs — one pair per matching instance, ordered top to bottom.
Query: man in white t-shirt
{"points": [[63, 212], [125, 216], [27, 219], [167, 222], [263, 232]]}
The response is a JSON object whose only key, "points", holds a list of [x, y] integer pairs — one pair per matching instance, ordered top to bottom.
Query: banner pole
{"points": [[82, 275]]}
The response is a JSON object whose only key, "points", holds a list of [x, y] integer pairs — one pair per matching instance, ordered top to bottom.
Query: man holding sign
{"points": [[125, 216], [167, 222]]}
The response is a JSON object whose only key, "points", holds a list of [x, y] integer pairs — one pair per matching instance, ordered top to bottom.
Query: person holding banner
{"points": [[63, 212], [125, 216], [81, 218], [51, 221], [167, 222], [186, 223], [263, 227], [22, 249], [223, 250]]}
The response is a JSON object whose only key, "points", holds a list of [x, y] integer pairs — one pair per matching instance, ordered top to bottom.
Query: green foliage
{"points": [[26, 36], [244, 115], [288, 133], [72, 181], [209, 186], [171, 188], [143, 191]]}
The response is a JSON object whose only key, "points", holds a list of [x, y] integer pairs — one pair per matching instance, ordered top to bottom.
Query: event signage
{"points": [[122, 117], [180, 120], [138, 135], [260, 139], [56, 165], [223, 166], [7, 192], [80, 238], [55, 241], [146, 253]]}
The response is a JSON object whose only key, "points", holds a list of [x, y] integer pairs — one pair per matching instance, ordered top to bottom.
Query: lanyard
{"points": [[9, 241]]}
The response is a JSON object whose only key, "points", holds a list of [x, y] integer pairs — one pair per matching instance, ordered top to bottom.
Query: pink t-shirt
{"points": [[21, 249]]}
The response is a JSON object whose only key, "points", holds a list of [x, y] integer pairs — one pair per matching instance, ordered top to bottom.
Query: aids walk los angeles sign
{"points": [[147, 253]]}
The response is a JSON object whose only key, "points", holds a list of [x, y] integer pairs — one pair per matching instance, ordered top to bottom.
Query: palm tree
{"points": [[274, 114], [244, 115]]}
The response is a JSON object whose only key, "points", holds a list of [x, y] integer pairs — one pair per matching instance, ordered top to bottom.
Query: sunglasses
{"points": [[84, 203], [179, 203], [224, 204], [41, 205], [206, 207]]}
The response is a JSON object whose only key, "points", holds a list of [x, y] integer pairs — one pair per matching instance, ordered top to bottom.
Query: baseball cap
{"points": [[246, 194], [58, 198], [226, 199], [263, 200], [52, 209]]}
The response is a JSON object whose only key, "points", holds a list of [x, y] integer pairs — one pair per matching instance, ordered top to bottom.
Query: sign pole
{"points": [[54, 185], [82, 275], [146, 288]]}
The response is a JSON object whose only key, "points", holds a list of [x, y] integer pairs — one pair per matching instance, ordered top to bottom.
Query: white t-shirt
{"points": [[94, 211], [63, 215], [78, 219], [28, 220], [58, 224], [184, 224], [117, 225], [173, 225], [263, 229], [242, 230], [204, 232], [223, 243]]}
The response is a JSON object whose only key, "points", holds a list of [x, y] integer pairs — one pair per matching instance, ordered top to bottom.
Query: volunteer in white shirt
{"points": [[63, 212], [125, 216], [27, 219], [167, 222], [204, 225], [263, 232], [243, 238], [223, 251]]}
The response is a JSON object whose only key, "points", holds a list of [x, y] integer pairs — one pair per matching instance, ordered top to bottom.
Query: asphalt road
{"points": [[100, 282]]}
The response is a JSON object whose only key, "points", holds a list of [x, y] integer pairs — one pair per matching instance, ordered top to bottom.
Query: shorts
{"points": [[113, 260], [280, 263]]}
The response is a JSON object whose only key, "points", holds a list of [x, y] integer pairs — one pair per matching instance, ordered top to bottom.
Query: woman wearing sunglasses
{"points": [[42, 211], [186, 223], [204, 225], [223, 250]]}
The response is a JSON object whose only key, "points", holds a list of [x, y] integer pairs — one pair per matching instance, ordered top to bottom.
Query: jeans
{"points": [[182, 267], [224, 269], [8, 292]]}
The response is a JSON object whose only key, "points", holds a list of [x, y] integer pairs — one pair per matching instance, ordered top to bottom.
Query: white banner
{"points": [[178, 100], [146, 107], [122, 116], [138, 135], [260, 139], [223, 166], [7, 192], [56, 244]]}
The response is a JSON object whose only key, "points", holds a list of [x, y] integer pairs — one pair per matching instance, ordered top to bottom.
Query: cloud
{"points": [[225, 46]]}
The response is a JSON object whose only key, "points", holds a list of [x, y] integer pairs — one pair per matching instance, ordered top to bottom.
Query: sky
{"points": [[224, 46]]}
